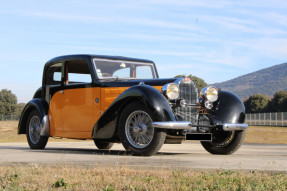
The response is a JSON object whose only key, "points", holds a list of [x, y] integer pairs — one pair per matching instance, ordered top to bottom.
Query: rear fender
{"points": [[42, 107], [106, 126]]}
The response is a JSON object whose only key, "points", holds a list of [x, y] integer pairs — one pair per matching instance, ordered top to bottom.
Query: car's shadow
{"points": [[82, 151], [96, 151]]}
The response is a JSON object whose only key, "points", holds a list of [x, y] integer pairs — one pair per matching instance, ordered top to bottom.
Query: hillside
{"points": [[266, 81]]}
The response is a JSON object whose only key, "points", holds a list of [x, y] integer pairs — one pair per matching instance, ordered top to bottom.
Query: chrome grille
{"points": [[188, 92]]}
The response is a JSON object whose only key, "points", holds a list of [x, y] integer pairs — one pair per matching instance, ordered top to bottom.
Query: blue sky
{"points": [[214, 40]]}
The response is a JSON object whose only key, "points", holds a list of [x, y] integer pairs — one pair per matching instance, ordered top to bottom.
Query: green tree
{"points": [[199, 83], [8, 102], [279, 102], [257, 103], [19, 108]]}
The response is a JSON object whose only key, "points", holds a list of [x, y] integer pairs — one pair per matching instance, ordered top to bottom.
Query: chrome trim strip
{"points": [[184, 125], [234, 126], [45, 127]]}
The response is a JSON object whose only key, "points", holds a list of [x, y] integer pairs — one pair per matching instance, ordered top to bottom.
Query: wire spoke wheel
{"points": [[34, 129], [138, 129], [136, 132]]}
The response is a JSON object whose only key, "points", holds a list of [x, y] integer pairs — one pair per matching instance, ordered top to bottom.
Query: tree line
{"points": [[260, 103], [9, 104]]}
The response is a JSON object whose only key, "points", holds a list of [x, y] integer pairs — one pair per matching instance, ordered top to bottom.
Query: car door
{"points": [[53, 85], [80, 110]]}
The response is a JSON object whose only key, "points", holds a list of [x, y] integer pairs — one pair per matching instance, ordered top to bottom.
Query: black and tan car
{"points": [[112, 99]]}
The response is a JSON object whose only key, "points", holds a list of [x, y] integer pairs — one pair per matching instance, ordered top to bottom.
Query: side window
{"points": [[77, 71], [144, 72], [53, 74], [57, 76]]}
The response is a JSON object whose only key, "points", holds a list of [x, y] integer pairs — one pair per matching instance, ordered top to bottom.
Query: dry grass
{"points": [[8, 134], [255, 134], [266, 135], [40, 177]]}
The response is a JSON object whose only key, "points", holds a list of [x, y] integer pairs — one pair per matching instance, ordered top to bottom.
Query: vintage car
{"points": [[112, 99]]}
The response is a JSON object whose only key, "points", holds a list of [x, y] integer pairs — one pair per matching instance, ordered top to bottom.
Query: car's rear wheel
{"points": [[33, 129], [136, 131], [224, 142], [103, 145]]}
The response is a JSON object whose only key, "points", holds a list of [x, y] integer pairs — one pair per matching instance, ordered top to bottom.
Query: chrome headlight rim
{"points": [[171, 91], [209, 93]]}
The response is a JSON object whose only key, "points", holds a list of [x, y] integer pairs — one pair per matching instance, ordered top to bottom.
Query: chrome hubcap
{"points": [[34, 129], [139, 130]]}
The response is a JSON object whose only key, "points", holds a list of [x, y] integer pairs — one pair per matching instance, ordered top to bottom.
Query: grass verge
{"points": [[8, 134], [266, 135], [43, 177]]}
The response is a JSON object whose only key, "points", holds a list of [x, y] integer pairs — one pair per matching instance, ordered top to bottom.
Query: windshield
{"points": [[124, 69]]}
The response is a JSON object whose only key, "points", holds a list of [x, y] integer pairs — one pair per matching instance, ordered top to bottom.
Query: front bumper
{"points": [[179, 125], [186, 125], [234, 126]]}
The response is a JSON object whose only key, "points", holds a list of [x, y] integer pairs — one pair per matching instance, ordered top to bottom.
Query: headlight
{"points": [[171, 91], [210, 93]]}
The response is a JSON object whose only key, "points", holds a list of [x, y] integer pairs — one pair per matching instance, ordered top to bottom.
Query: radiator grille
{"points": [[188, 92]]}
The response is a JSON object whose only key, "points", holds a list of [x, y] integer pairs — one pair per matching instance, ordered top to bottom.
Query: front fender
{"points": [[39, 104], [229, 109], [106, 126]]}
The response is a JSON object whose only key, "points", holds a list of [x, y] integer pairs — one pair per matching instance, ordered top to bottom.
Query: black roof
{"points": [[90, 56]]}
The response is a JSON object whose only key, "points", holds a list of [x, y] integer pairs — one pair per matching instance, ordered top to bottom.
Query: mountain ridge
{"points": [[266, 81]]}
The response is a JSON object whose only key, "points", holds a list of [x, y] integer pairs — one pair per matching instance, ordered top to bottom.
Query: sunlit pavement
{"points": [[189, 155]]}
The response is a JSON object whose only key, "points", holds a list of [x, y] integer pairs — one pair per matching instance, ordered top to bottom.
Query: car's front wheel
{"points": [[33, 129], [136, 132], [224, 142]]}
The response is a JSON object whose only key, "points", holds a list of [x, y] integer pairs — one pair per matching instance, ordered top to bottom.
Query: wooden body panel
{"points": [[108, 96], [78, 111], [74, 112], [55, 114]]}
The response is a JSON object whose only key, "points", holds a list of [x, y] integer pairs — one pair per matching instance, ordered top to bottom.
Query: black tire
{"points": [[142, 131], [35, 140], [225, 142], [103, 145]]}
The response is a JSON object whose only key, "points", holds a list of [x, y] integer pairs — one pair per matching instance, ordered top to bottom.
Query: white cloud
{"points": [[192, 3], [279, 4], [151, 22], [252, 25], [138, 50]]}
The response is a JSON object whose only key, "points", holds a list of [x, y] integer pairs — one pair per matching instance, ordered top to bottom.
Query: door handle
{"points": [[62, 91]]}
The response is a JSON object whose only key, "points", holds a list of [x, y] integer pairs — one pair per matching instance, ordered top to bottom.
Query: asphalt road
{"points": [[187, 155]]}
